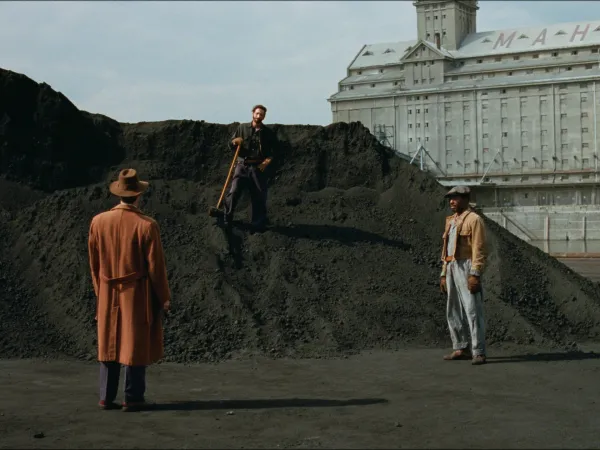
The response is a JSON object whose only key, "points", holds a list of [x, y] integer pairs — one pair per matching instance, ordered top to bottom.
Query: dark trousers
{"points": [[251, 177], [135, 382]]}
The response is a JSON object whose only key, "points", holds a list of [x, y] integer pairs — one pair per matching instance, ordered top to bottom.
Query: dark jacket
{"points": [[257, 145]]}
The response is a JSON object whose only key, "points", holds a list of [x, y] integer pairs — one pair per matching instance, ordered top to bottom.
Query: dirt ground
{"points": [[524, 398]]}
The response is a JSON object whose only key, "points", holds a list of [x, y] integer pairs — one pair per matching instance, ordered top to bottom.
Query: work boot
{"points": [[458, 355], [478, 360], [108, 405], [144, 405]]}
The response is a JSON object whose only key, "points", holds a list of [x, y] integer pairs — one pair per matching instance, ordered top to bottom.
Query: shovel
{"points": [[215, 211]]}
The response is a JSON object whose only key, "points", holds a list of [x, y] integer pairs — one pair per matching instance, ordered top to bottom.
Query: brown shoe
{"points": [[458, 355], [478, 360], [107, 406], [138, 406]]}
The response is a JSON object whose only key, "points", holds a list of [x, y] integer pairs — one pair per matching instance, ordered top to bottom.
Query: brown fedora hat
{"points": [[128, 184]]}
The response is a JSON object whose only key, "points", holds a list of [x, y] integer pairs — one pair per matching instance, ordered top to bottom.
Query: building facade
{"points": [[513, 113]]}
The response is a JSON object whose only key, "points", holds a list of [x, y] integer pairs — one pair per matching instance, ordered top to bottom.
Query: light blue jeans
{"points": [[464, 310]]}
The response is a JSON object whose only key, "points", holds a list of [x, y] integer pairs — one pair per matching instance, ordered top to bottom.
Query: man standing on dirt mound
{"points": [[258, 144], [463, 256], [130, 281]]}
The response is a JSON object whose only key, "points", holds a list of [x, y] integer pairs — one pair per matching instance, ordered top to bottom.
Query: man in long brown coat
{"points": [[130, 281]]}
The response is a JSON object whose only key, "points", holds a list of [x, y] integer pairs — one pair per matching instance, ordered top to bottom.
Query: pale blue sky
{"points": [[146, 61]]}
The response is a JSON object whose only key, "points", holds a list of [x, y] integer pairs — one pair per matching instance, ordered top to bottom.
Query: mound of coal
{"points": [[46, 141], [351, 261]]}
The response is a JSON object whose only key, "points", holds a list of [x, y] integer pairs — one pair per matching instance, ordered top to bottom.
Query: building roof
{"points": [[550, 37], [487, 43], [381, 54], [523, 64], [373, 77], [486, 83]]}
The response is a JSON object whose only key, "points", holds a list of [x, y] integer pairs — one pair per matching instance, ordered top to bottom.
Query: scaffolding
{"points": [[384, 134], [422, 153]]}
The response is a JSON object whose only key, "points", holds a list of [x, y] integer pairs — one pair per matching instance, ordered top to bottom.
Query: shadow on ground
{"points": [[344, 235], [544, 357], [265, 404]]}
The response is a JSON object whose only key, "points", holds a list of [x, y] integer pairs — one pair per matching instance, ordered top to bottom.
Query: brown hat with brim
{"points": [[128, 184]]}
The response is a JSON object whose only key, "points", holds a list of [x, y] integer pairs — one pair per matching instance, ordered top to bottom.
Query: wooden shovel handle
{"points": [[237, 150]]}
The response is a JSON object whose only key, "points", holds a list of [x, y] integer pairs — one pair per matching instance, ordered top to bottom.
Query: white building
{"points": [[512, 112]]}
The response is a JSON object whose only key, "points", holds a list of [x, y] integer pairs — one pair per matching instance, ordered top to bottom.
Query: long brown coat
{"points": [[130, 280]]}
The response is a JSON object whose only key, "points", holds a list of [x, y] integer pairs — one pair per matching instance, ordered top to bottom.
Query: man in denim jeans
{"points": [[463, 256]]}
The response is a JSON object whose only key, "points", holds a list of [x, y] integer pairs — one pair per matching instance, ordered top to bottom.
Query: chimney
{"points": [[437, 40]]}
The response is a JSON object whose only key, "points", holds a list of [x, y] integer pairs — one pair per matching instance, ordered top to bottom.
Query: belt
{"points": [[249, 162], [133, 276]]}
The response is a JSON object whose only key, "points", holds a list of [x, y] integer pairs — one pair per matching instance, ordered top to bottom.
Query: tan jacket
{"points": [[470, 235], [130, 281]]}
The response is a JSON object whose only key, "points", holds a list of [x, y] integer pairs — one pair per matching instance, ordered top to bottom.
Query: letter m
{"points": [[505, 42]]}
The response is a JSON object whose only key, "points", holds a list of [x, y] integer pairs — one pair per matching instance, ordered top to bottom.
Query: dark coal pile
{"points": [[351, 261]]}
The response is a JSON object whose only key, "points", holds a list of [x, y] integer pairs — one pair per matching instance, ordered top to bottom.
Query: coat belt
{"points": [[133, 276]]}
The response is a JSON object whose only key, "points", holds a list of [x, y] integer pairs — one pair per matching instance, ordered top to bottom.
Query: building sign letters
{"points": [[504, 40]]}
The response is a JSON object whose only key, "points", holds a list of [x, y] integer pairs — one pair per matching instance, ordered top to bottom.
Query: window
{"points": [[574, 52], [554, 54], [536, 56], [516, 58], [498, 59], [479, 61], [410, 111], [584, 114], [426, 124], [410, 125], [584, 130], [564, 131], [504, 134], [485, 135], [585, 145]]}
